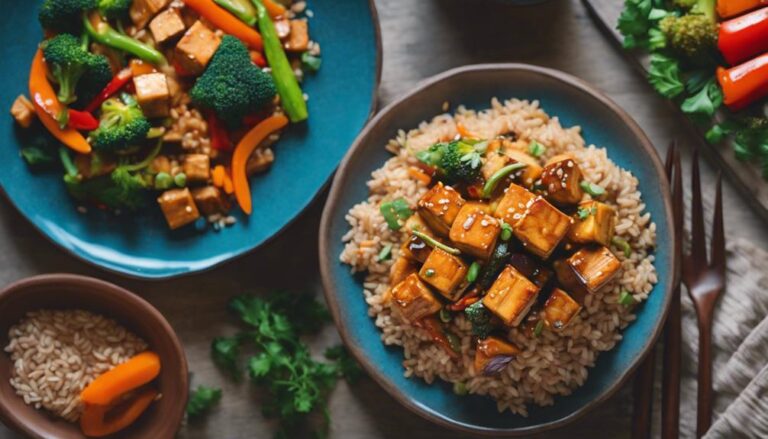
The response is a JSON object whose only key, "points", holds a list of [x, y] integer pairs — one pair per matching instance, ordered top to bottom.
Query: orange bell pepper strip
{"points": [[273, 8], [732, 8], [227, 22], [745, 83], [48, 107], [243, 151], [111, 385], [98, 420]]}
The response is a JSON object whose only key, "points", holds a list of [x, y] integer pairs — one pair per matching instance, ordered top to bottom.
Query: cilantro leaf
{"points": [[634, 22], [664, 75], [706, 101], [37, 157], [226, 352], [346, 365], [202, 400]]}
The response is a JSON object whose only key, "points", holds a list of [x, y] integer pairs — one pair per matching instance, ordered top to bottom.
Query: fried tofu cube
{"points": [[143, 10], [166, 26], [298, 38], [196, 48], [153, 94], [23, 111], [260, 161], [197, 167], [532, 170], [562, 179], [210, 200], [513, 204], [179, 207], [439, 207], [593, 222], [541, 228], [474, 231], [415, 249], [401, 268], [531, 268], [588, 270], [445, 272], [511, 296], [413, 300], [559, 309], [491, 347]]}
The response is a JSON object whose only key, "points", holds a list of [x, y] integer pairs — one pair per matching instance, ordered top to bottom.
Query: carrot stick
{"points": [[275, 9], [227, 22], [48, 107], [463, 131], [243, 151], [418, 174], [218, 176], [111, 385], [98, 420]]}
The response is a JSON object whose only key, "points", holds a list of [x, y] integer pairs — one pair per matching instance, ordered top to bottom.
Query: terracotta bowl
{"points": [[65, 291]]}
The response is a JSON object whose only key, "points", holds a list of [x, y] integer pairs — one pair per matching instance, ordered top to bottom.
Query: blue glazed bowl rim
{"points": [[234, 256], [327, 260]]}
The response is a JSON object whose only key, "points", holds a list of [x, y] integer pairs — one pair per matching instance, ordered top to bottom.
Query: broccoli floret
{"points": [[114, 8], [64, 15], [692, 35], [75, 69], [232, 85], [122, 125], [457, 161], [120, 189], [480, 319]]}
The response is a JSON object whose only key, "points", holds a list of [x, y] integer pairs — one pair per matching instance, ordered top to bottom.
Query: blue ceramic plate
{"points": [[341, 98], [575, 103]]}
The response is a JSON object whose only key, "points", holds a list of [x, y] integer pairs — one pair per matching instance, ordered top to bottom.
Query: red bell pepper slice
{"points": [[743, 37], [117, 83], [82, 120], [219, 136]]}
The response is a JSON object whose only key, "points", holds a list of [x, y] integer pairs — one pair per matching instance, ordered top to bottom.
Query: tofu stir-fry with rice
{"points": [[180, 101], [484, 245]]}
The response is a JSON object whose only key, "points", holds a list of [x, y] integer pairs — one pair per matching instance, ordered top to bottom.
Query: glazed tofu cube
{"points": [[143, 10], [167, 26], [298, 39], [196, 48], [153, 94], [23, 111], [260, 161], [197, 167], [532, 171], [562, 179], [210, 200], [513, 204], [179, 207], [439, 207], [593, 222], [541, 228], [474, 231], [415, 249], [531, 268], [401, 269], [588, 270], [445, 272], [511, 296], [413, 300], [559, 310], [491, 347]]}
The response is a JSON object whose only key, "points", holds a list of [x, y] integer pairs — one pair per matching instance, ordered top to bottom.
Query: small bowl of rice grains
{"points": [[85, 358]]}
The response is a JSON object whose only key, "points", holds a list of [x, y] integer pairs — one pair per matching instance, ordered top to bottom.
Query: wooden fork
{"points": [[705, 280]]}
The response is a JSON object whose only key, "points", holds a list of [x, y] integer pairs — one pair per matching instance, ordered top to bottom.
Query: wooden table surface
{"points": [[421, 38]]}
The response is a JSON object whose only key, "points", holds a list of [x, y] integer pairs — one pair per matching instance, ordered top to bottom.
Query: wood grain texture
{"points": [[421, 38], [744, 175]]}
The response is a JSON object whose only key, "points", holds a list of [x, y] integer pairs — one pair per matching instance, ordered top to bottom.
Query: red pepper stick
{"points": [[744, 37], [118, 82], [745, 83], [82, 120], [219, 136]]}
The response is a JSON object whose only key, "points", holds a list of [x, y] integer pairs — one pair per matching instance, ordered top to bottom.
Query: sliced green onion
{"points": [[311, 63], [155, 132], [536, 149], [67, 163], [501, 174], [180, 179], [163, 180], [591, 188], [402, 209], [584, 213], [390, 216], [506, 232], [432, 242], [622, 245], [385, 254], [474, 269], [429, 272], [626, 299], [445, 315], [539, 327], [454, 341], [460, 388]]}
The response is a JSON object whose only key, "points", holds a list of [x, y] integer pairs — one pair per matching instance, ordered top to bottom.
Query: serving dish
{"points": [[575, 103], [139, 245], [66, 291]]}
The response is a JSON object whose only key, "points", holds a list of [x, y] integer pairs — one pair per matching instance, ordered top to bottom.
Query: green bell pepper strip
{"points": [[241, 9]]}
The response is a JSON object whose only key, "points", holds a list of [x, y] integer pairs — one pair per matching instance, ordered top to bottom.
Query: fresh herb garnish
{"points": [[664, 75], [706, 100], [591, 188], [584, 212], [385, 254], [202, 400]]}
